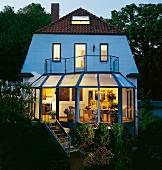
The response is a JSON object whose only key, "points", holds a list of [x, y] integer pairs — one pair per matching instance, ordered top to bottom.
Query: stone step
{"points": [[54, 127], [56, 131], [59, 134], [65, 139], [65, 144], [73, 149]]}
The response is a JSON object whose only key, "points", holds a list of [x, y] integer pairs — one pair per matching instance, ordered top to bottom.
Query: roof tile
{"points": [[64, 26]]}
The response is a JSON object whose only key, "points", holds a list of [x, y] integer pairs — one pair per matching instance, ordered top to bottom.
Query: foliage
{"points": [[32, 9], [142, 24], [16, 32], [110, 95], [15, 100], [113, 106], [52, 112], [69, 112], [85, 136], [149, 139], [94, 143], [121, 144], [29, 147], [103, 147]]}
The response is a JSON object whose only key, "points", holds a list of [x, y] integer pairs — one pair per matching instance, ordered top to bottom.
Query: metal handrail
{"points": [[67, 61], [66, 148]]}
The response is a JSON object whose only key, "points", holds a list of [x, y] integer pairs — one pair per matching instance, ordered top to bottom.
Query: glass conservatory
{"points": [[85, 97]]}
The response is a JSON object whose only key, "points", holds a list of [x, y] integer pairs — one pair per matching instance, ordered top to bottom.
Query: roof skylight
{"points": [[80, 20]]}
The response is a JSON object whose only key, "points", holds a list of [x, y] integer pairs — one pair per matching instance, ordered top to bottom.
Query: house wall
{"points": [[41, 49]]}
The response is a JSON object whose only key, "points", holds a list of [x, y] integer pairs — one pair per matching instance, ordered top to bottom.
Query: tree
{"points": [[32, 9], [142, 24], [15, 36]]}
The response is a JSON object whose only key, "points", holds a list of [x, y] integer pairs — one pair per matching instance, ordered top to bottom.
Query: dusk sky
{"points": [[97, 7]]}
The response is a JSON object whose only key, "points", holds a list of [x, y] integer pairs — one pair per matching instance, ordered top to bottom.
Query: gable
{"points": [[96, 26]]}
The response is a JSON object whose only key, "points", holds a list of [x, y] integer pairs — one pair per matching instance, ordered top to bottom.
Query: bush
{"points": [[15, 100], [149, 139], [105, 148]]}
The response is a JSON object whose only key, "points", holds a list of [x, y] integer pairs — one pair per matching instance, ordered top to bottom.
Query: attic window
{"points": [[80, 20]]}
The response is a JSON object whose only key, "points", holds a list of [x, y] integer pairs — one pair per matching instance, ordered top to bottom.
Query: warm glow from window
{"points": [[80, 20], [56, 52], [103, 52], [79, 54]]}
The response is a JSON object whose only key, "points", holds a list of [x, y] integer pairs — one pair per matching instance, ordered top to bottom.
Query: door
{"points": [[80, 52], [129, 104]]}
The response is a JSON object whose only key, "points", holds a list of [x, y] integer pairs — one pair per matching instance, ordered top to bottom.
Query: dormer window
{"points": [[80, 20]]}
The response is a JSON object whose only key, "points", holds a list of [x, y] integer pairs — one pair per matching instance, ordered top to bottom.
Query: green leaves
{"points": [[142, 24], [16, 32]]}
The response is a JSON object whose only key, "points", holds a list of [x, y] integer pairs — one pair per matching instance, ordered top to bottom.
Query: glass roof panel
{"points": [[52, 80], [70, 80], [89, 80], [107, 80], [38, 82], [124, 82]]}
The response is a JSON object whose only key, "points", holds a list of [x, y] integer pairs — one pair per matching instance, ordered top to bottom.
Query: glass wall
{"points": [[48, 102], [37, 103], [108, 103], [128, 104]]}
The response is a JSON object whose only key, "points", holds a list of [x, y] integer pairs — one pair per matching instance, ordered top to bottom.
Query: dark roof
{"points": [[96, 26], [26, 75]]}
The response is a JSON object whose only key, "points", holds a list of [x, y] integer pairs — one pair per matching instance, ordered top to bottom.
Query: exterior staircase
{"points": [[60, 136]]}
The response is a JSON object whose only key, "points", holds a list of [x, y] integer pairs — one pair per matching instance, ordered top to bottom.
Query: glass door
{"points": [[80, 52]]}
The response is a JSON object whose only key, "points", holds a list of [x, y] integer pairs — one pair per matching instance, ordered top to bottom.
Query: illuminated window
{"points": [[80, 20], [80, 51], [103, 52], [56, 53]]}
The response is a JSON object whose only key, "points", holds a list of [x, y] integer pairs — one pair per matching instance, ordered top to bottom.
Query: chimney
{"points": [[54, 12]]}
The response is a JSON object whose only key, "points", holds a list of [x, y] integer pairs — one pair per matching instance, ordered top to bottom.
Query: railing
{"points": [[82, 63], [60, 135]]}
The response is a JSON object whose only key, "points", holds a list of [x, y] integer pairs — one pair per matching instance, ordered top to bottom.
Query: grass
{"points": [[29, 148]]}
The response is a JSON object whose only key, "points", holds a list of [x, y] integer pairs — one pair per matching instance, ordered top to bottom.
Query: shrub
{"points": [[15, 100], [103, 148]]}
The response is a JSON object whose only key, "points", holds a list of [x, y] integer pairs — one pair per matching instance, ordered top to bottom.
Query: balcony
{"points": [[82, 63]]}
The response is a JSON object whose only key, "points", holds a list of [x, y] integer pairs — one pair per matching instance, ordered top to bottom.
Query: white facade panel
{"points": [[41, 49]]}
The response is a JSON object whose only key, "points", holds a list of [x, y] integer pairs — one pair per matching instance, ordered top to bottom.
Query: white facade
{"points": [[41, 49]]}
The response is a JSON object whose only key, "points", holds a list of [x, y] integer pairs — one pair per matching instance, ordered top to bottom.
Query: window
{"points": [[80, 20], [56, 52], [80, 52], [103, 52], [46, 93]]}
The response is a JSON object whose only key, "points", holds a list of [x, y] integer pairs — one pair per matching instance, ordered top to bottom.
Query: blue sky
{"points": [[97, 7]]}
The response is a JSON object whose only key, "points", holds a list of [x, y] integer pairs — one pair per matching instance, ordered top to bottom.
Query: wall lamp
{"points": [[93, 48]]}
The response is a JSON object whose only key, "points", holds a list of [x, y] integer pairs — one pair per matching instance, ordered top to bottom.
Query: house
{"points": [[84, 62]]}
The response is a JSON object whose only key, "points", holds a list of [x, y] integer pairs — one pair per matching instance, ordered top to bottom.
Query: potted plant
{"points": [[111, 96], [113, 106], [53, 114], [70, 114], [114, 116]]}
